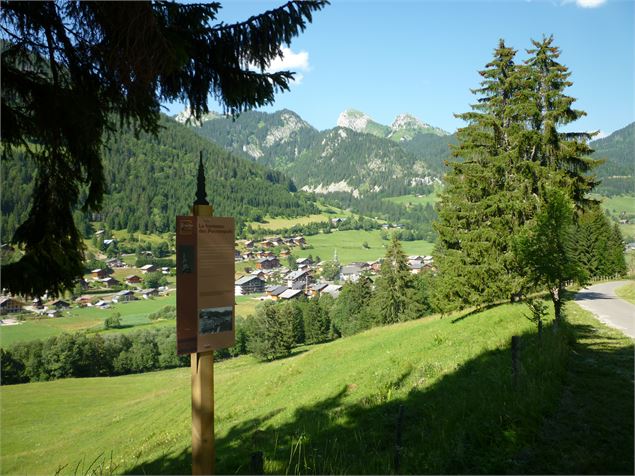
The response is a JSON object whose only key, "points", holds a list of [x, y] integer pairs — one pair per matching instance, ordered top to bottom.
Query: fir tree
{"points": [[72, 71], [485, 200], [394, 286]]}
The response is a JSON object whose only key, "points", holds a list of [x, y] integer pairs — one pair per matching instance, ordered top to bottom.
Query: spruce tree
{"points": [[485, 200], [394, 287]]}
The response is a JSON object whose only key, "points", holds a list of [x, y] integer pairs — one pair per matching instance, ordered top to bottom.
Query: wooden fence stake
{"points": [[515, 359]]}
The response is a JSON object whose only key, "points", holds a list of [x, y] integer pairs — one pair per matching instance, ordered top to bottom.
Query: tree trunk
{"points": [[557, 303]]}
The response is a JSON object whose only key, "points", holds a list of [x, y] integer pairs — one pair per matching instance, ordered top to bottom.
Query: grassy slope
{"points": [[409, 200], [349, 246], [627, 292], [332, 408]]}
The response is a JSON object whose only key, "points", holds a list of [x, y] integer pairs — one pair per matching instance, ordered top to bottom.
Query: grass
{"points": [[410, 200], [619, 204], [278, 223], [349, 246], [627, 292], [134, 316], [332, 408]]}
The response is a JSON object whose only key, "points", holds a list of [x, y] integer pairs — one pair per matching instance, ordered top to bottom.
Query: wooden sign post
{"points": [[205, 311]]}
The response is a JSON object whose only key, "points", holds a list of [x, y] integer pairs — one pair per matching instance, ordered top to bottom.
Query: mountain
{"points": [[404, 128], [356, 157], [618, 171], [152, 179]]}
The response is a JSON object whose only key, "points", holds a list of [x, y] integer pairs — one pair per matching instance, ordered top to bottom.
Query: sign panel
{"points": [[205, 316]]}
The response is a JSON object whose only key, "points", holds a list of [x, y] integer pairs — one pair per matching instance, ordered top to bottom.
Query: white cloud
{"points": [[589, 3], [290, 61], [600, 135]]}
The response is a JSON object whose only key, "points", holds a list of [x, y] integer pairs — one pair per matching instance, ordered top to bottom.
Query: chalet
{"points": [[337, 221], [99, 232], [299, 240], [110, 242], [249, 244], [267, 244], [285, 253], [266, 254], [249, 255], [237, 256], [415, 258], [304, 261], [115, 263], [268, 263], [375, 266], [415, 266], [148, 268], [351, 272], [99, 273], [133, 279], [299, 279], [109, 281], [248, 285], [315, 289], [332, 289], [274, 291], [148, 293], [290, 294], [124, 296], [84, 300], [37, 303], [60, 304], [101, 304], [10, 305], [52, 313]]}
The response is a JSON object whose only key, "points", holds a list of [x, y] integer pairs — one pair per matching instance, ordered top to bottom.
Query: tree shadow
{"points": [[475, 420]]}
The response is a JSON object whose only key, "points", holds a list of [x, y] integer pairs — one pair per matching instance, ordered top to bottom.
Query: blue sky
{"points": [[422, 57]]}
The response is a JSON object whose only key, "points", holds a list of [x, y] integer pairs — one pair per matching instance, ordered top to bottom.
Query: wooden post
{"points": [[540, 330], [515, 359], [202, 365], [203, 451], [397, 460], [257, 463]]}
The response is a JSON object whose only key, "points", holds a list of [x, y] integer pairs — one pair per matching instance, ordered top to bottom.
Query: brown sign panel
{"points": [[205, 317]]}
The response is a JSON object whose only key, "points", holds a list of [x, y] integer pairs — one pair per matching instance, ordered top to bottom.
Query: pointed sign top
{"points": [[201, 195]]}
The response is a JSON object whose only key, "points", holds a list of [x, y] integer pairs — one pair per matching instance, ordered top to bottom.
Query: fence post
{"points": [[540, 330], [515, 359], [397, 462], [257, 463]]}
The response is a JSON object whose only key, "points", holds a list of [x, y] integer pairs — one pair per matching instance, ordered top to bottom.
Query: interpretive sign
{"points": [[204, 283]]}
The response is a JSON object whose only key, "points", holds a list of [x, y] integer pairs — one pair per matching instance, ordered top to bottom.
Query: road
{"points": [[601, 300]]}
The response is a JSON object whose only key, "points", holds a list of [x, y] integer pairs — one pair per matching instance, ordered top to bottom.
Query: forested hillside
{"points": [[618, 149], [336, 160], [152, 179]]}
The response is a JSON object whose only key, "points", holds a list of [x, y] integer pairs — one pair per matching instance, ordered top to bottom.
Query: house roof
{"points": [[147, 266], [351, 269], [298, 274], [246, 279], [318, 286], [332, 289], [279, 290], [149, 291], [125, 292], [290, 293]]}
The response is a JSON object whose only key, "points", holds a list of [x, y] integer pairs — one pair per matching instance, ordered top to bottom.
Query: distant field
{"points": [[410, 200], [619, 204], [276, 223], [349, 246], [627, 292], [134, 316], [332, 408]]}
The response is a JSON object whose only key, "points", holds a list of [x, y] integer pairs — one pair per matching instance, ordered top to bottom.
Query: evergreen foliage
{"points": [[71, 70], [512, 154]]}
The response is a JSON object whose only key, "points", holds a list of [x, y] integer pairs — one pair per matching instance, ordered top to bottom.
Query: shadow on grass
{"points": [[472, 421]]}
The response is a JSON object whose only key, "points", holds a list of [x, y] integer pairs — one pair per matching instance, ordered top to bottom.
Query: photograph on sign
{"points": [[185, 259], [214, 320]]}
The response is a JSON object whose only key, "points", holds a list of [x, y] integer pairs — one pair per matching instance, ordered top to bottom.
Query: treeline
{"points": [[618, 171], [153, 179], [313, 228], [274, 330]]}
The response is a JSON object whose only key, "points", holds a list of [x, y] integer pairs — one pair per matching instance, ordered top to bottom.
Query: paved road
{"points": [[601, 300]]}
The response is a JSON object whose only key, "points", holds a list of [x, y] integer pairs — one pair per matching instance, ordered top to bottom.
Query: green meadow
{"points": [[410, 200], [349, 246], [627, 292], [134, 316], [333, 408]]}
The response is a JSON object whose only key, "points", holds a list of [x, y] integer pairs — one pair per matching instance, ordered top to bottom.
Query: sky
{"points": [[422, 56]]}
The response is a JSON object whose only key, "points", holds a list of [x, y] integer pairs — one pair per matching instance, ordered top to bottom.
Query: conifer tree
{"points": [[72, 71], [548, 108], [485, 200], [394, 286]]}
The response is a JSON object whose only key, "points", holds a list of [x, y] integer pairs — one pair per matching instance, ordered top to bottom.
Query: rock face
{"points": [[185, 117], [404, 127]]}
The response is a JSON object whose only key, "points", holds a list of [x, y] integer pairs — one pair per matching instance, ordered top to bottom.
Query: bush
{"points": [[113, 322]]}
